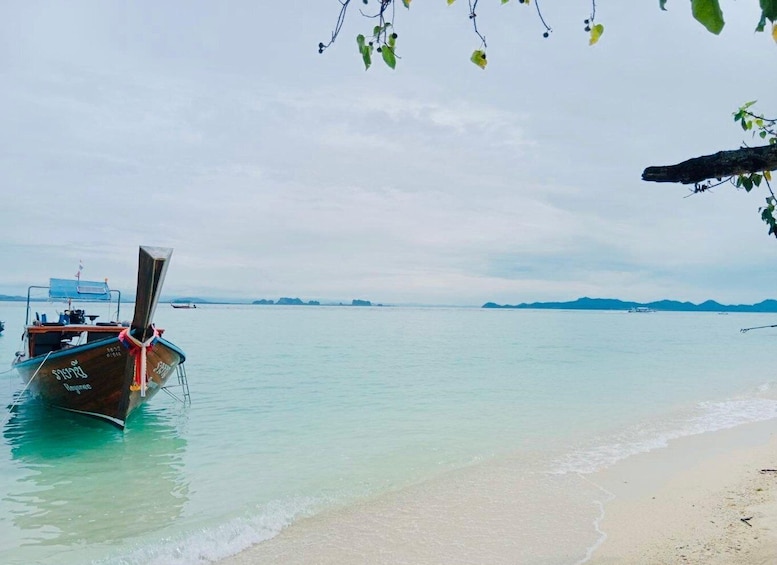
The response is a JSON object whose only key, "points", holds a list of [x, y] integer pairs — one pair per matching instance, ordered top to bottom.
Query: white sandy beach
{"points": [[686, 503], [681, 504]]}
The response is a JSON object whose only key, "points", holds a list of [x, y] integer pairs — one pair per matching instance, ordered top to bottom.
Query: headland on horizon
{"points": [[586, 303]]}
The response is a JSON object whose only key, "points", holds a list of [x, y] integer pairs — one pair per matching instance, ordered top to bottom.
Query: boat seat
{"points": [[45, 342]]}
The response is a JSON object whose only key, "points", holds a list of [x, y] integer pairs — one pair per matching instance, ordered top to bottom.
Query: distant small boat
{"points": [[183, 305], [641, 309], [2, 326], [102, 369]]}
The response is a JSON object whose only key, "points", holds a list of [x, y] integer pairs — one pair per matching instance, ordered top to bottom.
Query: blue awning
{"points": [[70, 289]]}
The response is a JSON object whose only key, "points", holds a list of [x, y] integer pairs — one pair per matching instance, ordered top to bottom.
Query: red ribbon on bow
{"points": [[136, 346]]}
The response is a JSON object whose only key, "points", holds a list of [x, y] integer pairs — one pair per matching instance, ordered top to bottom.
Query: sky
{"points": [[217, 129]]}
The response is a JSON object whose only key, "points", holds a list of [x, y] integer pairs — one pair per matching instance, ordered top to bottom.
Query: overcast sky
{"points": [[216, 128]]}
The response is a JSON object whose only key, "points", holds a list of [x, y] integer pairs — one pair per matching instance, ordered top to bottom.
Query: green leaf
{"points": [[451, 2], [406, 3], [662, 4], [769, 9], [708, 14], [761, 23], [596, 33], [365, 51], [388, 56], [367, 58], [479, 58], [756, 178], [747, 183], [767, 215]]}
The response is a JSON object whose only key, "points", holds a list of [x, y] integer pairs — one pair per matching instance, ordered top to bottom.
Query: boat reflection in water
{"points": [[85, 487]]}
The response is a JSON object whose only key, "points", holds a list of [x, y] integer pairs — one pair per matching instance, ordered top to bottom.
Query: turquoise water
{"points": [[299, 410]]}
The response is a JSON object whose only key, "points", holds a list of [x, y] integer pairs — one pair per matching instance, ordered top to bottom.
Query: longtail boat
{"points": [[103, 369]]}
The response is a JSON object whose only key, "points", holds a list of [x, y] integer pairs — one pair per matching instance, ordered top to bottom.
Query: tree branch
{"points": [[722, 164]]}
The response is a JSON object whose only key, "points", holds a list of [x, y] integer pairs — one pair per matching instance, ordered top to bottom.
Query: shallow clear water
{"points": [[296, 410]]}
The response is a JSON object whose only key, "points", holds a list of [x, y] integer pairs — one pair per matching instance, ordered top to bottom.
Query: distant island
{"points": [[189, 300], [283, 301], [287, 302], [298, 302], [586, 303]]}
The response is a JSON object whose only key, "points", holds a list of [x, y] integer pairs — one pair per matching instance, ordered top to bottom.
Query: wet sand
{"points": [[704, 499], [482, 514]]}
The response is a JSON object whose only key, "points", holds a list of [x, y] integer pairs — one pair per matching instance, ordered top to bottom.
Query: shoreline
{"points": [[702, 499], [679, 504]]}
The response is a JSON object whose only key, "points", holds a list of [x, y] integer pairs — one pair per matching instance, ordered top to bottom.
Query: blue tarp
{"points": [[65, 289]]}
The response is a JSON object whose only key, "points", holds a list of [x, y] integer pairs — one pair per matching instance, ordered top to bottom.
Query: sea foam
{"points": [[705, 417], [212, 544]]}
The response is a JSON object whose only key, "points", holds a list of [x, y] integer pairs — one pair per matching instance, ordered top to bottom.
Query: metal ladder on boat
{"points": [[183, 383]]}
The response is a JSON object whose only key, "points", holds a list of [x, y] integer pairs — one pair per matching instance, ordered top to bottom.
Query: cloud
{"points": [[273, 170]]}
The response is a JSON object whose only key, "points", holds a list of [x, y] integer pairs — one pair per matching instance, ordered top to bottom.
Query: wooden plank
{"points": [[74, 328]]}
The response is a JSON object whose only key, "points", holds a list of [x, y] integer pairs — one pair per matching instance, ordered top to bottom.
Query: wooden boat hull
{"points": [[99, 378]]}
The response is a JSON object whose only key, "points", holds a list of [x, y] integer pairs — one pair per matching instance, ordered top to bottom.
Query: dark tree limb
{"points": [[718, 166]]}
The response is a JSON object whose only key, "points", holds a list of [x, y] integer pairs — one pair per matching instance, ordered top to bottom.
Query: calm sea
{"points": [[297, 411]]}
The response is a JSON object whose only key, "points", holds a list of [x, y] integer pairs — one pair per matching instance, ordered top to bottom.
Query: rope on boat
{"points": [[745, 330], [135, 345], [16, 401]]}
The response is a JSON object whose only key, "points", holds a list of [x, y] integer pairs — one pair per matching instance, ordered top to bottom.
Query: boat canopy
{"points": [[69, 289]]}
